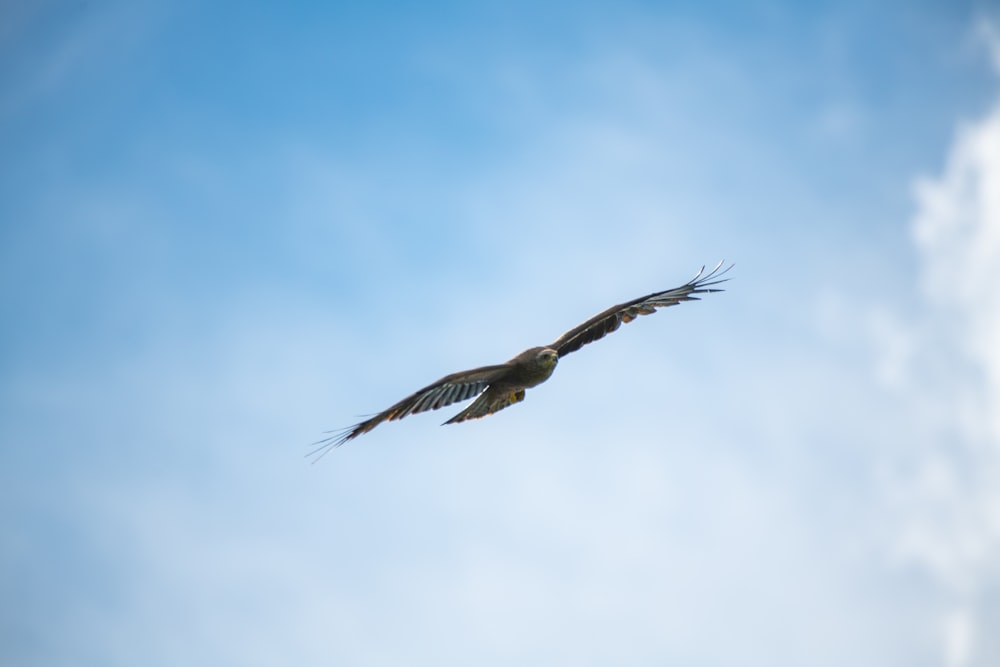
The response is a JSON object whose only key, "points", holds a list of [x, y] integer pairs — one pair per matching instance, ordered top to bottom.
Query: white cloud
{"points": [[990, 36], [948, 500]]}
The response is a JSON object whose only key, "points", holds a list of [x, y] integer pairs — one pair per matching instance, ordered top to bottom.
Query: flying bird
{"points": [[503, 385]]}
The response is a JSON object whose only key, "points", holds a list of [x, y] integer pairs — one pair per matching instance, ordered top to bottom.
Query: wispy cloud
{"points": [[946, 489]]}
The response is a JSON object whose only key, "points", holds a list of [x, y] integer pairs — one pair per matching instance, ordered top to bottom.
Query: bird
{"points": [[502, 385]]}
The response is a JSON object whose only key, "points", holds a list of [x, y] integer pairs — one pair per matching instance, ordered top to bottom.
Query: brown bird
{"points": [[504, 384]]}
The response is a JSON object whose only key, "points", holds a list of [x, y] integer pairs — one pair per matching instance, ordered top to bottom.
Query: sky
{"points": [[226, 228]]}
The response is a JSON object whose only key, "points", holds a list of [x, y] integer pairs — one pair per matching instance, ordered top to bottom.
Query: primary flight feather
{"points": [[502, 385]]}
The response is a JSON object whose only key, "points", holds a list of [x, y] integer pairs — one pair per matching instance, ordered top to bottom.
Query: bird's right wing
{"points": [[602, 324], [449, 389]]}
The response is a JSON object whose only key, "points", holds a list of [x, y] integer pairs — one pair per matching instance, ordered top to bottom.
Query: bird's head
{"points": [[548, 357]]}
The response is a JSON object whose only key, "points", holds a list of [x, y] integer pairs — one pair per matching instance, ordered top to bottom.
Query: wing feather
{"points": [[604, 323], [449, 389], [494, 399]]}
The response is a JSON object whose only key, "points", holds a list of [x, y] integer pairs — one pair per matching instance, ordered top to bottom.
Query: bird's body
{"points": [[531, 367], [502, 385]]}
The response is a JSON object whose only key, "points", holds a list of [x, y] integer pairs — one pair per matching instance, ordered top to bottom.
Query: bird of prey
{"points": [[500, 386]]}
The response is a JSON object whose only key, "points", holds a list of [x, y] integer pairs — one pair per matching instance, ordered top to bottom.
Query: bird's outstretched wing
{"points": [[600, 325], [449, 389]]}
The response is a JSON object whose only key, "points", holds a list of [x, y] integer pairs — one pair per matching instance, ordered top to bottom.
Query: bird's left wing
{"points": [[600, 325], [449, 389]]}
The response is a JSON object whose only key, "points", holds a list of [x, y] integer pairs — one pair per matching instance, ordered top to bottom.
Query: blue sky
{"points": [[226, 229]]}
